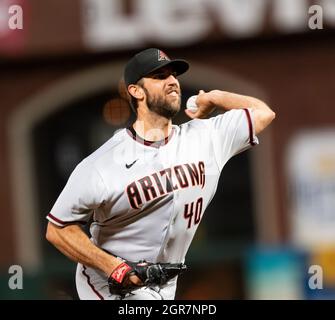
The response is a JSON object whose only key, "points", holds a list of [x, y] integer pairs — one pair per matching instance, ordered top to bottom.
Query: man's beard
{"points": [[161, 106]]}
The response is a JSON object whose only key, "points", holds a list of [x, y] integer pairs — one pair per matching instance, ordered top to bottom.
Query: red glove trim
{"points": [[119, 273]]}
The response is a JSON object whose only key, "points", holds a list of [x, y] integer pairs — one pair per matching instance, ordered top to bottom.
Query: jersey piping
{"points": [[156, 144]]}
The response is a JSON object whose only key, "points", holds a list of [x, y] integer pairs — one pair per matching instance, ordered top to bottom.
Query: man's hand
{"points": [[204, 104], [129, 276]]}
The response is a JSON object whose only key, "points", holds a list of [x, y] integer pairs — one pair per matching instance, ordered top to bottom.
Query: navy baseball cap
{"points": [[149, 60]]}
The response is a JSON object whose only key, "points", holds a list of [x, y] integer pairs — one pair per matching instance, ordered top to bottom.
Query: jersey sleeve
{"points": [[232, 133], [84, 192]]}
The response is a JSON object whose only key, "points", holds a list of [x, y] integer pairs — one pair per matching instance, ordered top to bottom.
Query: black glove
{"points": [[151, 274]]}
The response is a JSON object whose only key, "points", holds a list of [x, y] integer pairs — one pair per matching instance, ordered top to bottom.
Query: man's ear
{"points": [[136, 91]]}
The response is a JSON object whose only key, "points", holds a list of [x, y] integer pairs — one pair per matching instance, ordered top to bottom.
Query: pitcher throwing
{"points": [[147, 188]]}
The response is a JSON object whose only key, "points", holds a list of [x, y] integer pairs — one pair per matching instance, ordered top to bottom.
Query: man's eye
{"points": [[160, 76]]}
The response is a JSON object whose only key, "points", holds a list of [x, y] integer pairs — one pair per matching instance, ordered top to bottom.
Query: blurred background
{"points": [[269, 232]]}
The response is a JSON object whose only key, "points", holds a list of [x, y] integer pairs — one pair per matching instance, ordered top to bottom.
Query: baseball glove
{"points": [[151, 274]]}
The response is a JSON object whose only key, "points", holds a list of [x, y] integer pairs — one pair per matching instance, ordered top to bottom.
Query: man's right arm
{"points": [[208, 101], [72, 241]]}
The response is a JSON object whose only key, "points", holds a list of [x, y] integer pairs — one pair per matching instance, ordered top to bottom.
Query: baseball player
{"points": [[146, 189]]}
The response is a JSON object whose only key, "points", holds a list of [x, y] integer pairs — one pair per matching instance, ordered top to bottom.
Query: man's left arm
{"points": [[208, 101]]}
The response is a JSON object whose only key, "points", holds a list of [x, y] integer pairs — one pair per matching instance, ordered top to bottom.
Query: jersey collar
{"points": [[156, 144]]}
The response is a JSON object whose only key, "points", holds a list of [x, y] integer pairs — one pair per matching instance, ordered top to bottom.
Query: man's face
{"points": [[163, 94]]}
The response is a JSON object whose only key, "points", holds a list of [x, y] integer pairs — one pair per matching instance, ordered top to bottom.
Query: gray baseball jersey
{"points": [[148, 198]]}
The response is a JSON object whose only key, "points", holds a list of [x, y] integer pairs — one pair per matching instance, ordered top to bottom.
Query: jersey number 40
{"points": [[193, 210]]}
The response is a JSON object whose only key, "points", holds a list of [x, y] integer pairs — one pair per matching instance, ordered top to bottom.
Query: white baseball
{"points": [[191, 105]]}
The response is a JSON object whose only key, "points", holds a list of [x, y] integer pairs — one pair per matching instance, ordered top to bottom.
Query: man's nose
{"points": [[171, 79]]}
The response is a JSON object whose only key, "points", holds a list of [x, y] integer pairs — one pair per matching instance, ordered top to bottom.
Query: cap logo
{"points": [[162, 56]]}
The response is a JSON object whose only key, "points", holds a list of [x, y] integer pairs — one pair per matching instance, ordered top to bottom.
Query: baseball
{"points": [[191, 105]]}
